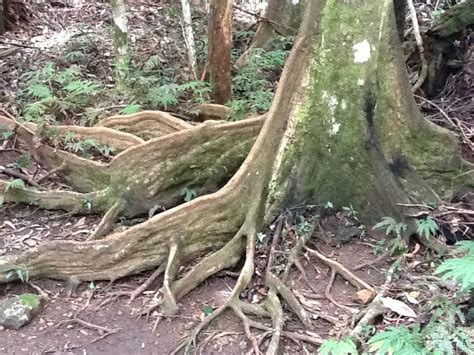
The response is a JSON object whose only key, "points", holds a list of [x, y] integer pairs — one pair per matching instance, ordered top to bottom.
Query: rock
{"points": [[18, 311]]}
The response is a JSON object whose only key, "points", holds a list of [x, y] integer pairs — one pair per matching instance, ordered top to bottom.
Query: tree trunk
{"points": [[119, 15], [3, 16], [282, 17], [440, 48], [219, 50], [357, 137]]}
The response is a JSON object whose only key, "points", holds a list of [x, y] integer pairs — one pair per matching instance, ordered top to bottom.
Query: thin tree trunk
{"points": [[188, 35], [120, 40], [220, 46]]}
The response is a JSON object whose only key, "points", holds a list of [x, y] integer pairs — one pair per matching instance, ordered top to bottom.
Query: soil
{"points": [[54, 331]]}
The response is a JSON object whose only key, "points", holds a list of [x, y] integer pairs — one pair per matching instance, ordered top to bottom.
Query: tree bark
{"points": [[4, 6], [119, 15], [282, 17], [440, 49], [219, 50], [356, 135]]}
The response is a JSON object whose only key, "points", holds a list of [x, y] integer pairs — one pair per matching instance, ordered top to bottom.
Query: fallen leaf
{"points": [[10, 224], [365, 296], [411, 297], [398, 307]]}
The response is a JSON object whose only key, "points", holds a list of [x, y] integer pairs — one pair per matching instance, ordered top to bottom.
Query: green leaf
{"points": [[39, 91], [133, 108], [23, 161], [15, 184], [188, 194], [427, 227], [460, 269], [30, 299], [207, 310], [397, 340], [345, 346]]}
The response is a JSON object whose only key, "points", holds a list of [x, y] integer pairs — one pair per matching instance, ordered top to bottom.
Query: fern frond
{"points": [[39, 91]]}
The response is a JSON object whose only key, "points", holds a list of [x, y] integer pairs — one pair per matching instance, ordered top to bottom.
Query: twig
{"points": [[421, 49]]}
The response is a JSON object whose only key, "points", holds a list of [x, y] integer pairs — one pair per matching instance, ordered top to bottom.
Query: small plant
{"points": [[254, 84], [50, 92], [129, 109], [7, 133], [24, 161], [15, 184], [188, 194], [87, 203], [351, 212], [391, 225], [427, 227], [396, 229], [460, 269], [22, 274], [30, 300], [443, 335], [397, 340], [345, 346]]}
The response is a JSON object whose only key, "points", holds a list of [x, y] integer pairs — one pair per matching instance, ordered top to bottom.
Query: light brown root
{"points": [[145, 124], [57, 200], [107, 222], [248, 231], [385, 256], [356, 281], [138, 291], [327, 292], [290, 298], [169, 305], [274, 307], [376, 307]]}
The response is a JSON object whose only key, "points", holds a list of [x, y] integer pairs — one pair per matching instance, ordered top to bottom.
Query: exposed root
{"points": [[145, 124], [18, 175], [57, 200], [107, 222], [383, 257], [343, 271], [138, 291], [169, 305], [376, 307]]}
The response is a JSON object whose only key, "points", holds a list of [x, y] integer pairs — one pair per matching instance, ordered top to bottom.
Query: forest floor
{"points": [[97, 318], [56, 329]]}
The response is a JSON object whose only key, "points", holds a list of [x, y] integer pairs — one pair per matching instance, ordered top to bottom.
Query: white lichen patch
{"points": [[361, 51], [334, 129]]}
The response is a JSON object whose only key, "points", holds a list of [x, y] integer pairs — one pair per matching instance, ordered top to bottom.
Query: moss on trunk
{"points": [[357, 137]]}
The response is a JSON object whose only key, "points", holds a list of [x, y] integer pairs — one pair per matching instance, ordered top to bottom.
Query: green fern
{"points": [[39, 91], [163, 96], [133, 108], [15, 184], [390, 225], [427, 227], [460, 269], [397, 340], [338, 347]]}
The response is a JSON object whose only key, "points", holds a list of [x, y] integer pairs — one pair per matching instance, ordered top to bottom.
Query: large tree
{"points": [[343, 127]]}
